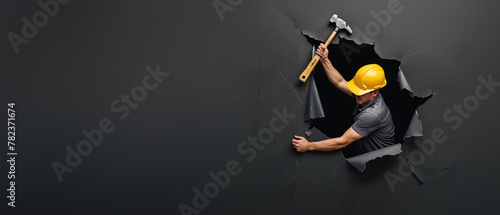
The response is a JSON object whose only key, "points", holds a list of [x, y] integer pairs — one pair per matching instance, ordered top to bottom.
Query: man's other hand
{"points": [[322, 51], [301, 144]]}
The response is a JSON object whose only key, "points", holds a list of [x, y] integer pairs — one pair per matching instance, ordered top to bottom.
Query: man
{"points": [[373, 127]]}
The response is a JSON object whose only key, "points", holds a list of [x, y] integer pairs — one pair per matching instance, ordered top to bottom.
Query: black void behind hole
{"points": [[347, 57]]}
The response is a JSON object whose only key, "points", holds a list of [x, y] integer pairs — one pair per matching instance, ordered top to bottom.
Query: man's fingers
{"points": [[322, 48], [297, 141]]}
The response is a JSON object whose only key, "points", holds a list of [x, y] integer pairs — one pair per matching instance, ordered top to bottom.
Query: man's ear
{"points": [[375, 93]]}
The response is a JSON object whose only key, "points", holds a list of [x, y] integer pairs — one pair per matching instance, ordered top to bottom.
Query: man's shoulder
{"points": [[379, 108], [369, 117]]}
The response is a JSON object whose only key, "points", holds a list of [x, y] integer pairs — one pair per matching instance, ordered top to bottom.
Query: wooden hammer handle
{"points": [[305, 74]]}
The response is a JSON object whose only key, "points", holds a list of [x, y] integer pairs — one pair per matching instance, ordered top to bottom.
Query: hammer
{"points": [[340, 24]]}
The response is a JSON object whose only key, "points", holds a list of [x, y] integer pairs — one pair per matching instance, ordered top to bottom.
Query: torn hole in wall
{"points": [[330, 110]]}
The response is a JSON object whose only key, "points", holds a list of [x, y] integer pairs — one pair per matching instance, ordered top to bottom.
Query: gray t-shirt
{"points": [[374, 123]]}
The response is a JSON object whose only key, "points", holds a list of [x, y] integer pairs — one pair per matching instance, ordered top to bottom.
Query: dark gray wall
{"points": [[230, 80]]}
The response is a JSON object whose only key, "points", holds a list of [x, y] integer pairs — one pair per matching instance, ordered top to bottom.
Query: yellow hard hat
{"points": [[368, 78]]}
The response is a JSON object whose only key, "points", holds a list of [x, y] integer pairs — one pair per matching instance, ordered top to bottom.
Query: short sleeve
{"points": [[366, 123]]}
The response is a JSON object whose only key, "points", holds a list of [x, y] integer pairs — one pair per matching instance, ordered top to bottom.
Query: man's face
{"points": [[364, 99]]}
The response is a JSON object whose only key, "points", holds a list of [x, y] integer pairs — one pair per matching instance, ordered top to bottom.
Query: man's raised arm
{"points": [[332, 73]]}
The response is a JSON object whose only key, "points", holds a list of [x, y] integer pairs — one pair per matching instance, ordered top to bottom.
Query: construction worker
{"points": [[373, 127]]}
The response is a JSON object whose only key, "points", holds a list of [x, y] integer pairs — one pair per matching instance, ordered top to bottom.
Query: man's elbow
{"points": [[340, 83], [344, 142]]}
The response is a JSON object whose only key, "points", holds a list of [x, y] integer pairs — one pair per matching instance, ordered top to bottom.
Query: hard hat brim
{"points": [[355, 89]]}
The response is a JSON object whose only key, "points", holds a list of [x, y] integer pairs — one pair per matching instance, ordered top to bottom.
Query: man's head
{"points": [[366, 82], [366, 98]]}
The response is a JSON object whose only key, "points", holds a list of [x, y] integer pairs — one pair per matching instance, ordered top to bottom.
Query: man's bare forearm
{"points": [[332, 73], [349, 136], [328, 144]]}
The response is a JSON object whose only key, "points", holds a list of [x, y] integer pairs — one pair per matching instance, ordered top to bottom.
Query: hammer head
{"points": [[340, 23]]}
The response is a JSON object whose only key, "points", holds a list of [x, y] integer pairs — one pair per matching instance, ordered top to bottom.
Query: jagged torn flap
{"points": [[314, 108], [415, 128], [359, 161]]}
